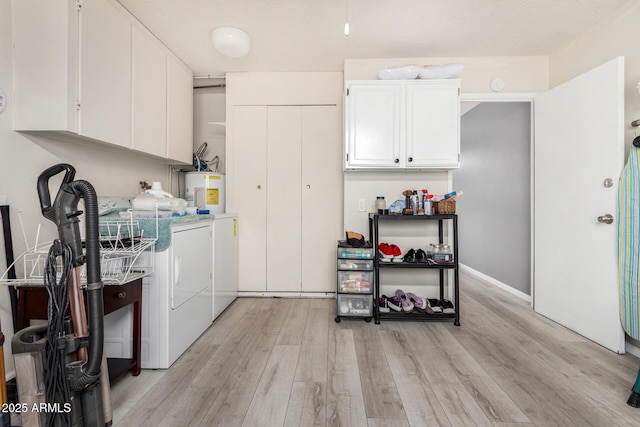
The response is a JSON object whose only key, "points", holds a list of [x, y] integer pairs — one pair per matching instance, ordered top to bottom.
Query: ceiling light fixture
{"points": [[346, 19], [231, 41]]}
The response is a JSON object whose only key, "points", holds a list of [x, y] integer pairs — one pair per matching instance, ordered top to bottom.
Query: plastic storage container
{"points": [[355, 281], [355, 305]]}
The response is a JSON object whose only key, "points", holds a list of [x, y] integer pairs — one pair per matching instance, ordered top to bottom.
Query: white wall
{"points": [[616, 35], [520, 73], [209, 106], [24, 157], [495, 210]]}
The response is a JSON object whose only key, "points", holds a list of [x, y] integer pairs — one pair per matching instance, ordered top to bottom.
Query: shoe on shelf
{"points": [[386, 253], [397, 253], [410, 256], [421, 256], [420, 302], [394, 303], [434, 303], [383, 305], [407, 305], [447, 307]]}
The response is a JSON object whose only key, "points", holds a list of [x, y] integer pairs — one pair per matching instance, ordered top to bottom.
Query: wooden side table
{"points": [[32, 305]]}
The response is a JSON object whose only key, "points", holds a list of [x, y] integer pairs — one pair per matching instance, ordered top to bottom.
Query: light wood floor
{"points": [[285, 362]]}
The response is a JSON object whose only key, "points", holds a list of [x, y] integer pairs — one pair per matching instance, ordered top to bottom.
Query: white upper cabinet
{"points": [[90, 69], [149, 97], [179, 111], [373, 114], [404, 124]]}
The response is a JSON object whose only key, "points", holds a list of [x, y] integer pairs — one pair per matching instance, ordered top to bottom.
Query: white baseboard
{"points": [[495, 282], [287, 294], [632, 349]]}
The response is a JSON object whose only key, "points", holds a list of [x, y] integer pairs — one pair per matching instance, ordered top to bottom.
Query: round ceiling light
{"points": [[231, 41]]}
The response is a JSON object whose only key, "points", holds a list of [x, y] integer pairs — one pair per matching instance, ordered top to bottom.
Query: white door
{"points": [[579, 142], [250, 194], [321, 197], [284, 216]]}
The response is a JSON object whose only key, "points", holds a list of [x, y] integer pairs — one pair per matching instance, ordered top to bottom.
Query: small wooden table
{"points": [[32, 305]]}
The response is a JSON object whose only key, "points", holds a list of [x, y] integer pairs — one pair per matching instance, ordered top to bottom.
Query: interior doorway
{"points": [[496, 177]]}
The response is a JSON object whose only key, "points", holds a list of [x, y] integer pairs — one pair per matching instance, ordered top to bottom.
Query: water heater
{"points": [[207, 189]]}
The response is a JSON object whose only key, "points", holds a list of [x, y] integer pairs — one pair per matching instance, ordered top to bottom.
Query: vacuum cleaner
{"points": [[60, 367]]}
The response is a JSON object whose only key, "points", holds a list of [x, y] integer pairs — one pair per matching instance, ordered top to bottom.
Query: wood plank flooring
{"points": [[285, 362]]}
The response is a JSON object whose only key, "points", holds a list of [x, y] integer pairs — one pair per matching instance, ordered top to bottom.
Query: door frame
{"points": [[528, 97]]}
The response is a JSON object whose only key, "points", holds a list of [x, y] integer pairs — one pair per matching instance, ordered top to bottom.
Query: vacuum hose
{"points": [[94, 286]]}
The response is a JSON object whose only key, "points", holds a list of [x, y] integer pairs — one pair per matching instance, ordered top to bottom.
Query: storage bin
{"points": [[347, 251], [356, 253], [355, 264], [355, 282], [355, 305]]}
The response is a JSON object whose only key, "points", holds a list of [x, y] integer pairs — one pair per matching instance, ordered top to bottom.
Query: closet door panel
{"points": [[250, 187], [321, 197], [283, 200]]}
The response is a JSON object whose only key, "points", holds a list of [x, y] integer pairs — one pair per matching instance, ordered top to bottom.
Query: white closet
{"points": [[287, 189]]}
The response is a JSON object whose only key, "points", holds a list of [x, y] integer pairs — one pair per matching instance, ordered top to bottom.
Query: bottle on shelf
{"points": [[381, 204]]}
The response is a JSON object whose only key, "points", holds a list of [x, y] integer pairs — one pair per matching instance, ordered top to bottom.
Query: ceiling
{"points": [[307, 35]]}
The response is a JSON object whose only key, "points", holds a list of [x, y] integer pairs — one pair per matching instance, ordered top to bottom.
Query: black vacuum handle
{"points": [[43, 187]]}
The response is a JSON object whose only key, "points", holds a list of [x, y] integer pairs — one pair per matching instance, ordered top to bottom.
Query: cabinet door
{"points": [[45, 41], [105, 72], [149, 94], [179, 111], [373, 114], [432, 124], [284, 130], [250, 195], [321, 197]]}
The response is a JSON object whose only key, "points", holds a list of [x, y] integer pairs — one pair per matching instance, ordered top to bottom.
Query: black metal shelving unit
{"points": [[417, 315]]}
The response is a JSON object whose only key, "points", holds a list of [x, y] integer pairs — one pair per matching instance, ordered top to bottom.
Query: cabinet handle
{"points": [[410, 159], [396, 161], [259, 186], [308, 186], [177, 261], [121, 295]]}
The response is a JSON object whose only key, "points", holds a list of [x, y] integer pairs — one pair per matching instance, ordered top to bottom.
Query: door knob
{"points": [[606, 219]]}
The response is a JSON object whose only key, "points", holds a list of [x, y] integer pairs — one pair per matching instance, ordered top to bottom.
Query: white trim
{"points": [[497, 97], [517, 97], [495, 282], [287, 294], [632, 349]]}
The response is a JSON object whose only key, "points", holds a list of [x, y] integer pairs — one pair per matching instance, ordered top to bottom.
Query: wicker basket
{"points": [[445, 207]]}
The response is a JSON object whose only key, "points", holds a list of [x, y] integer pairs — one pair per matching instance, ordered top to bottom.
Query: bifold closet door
{"points": [[250, 186], [321, 197], [284, 214]]}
